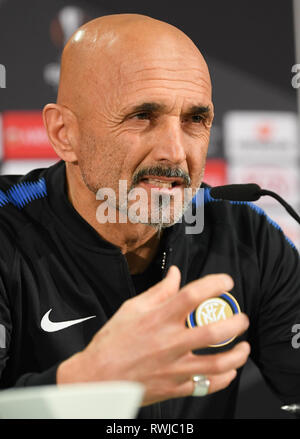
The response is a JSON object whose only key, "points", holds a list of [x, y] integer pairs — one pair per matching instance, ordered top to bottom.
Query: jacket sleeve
{"points": [[5, 327], [274, 342], [8, 377], [38, 379]]}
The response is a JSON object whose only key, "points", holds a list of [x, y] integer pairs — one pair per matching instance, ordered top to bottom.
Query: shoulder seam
{"points": [[23, 193], [209, 199]]}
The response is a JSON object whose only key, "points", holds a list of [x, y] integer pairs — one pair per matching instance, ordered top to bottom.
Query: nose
{"points": [[169, 142]]}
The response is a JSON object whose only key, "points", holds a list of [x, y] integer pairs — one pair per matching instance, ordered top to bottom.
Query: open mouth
{"points": [[162, 182]]}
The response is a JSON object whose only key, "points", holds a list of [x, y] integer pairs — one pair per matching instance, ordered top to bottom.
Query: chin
{"points": [[159, 218]]}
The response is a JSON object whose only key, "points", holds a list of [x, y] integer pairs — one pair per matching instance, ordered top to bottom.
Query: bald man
{"points": [[136, 297]]}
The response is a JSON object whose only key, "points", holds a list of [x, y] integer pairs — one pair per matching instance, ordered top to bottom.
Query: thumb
{"points": [[164, 289]]}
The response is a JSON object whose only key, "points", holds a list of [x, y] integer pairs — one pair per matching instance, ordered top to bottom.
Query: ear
{"points": [[61, 126]]}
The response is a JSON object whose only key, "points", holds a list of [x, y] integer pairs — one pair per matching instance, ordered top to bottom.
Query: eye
{"points": [[143, 116], [197, 118]]}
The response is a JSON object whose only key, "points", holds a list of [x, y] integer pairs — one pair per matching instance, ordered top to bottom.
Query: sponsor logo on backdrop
{"points": [[62, 27], [265, 132], [24, 136], [261, 137], [262, 148], [283, 180]]}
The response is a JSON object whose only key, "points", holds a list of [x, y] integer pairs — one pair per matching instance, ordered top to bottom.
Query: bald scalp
{"points": [[98, 48]]}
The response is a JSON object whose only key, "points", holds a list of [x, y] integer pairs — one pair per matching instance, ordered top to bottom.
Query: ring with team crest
{"points": [[213, 310]]}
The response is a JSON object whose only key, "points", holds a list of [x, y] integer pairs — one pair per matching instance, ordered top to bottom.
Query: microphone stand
{"points": [[289, 208]]}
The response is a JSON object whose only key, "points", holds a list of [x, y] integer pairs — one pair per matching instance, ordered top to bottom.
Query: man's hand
{"points": [[147, 341]]}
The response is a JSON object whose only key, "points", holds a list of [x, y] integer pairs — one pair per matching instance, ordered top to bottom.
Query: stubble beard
{"points": [[161, 206]]}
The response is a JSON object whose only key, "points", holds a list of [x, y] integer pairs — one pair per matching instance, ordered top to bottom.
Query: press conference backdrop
{"points": [[250, 50]]}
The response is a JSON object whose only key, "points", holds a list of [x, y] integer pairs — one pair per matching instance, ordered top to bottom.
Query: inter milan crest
{"points": [[213, 310]]}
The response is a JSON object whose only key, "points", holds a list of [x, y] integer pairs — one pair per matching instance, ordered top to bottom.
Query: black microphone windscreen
{"points": [[237, 192]]}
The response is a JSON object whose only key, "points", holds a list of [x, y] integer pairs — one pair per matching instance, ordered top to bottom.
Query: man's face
{"points": [[148, 123]]}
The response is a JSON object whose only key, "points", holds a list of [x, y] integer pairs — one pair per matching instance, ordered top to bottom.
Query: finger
{"points": [[164, 289], [194, 293], [212, 334], [213, 364], [220, 369], [217, 382]]}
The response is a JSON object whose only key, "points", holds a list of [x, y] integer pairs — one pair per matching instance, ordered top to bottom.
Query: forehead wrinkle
{"points": [[153, 60], [169, 69], [180, 71], [170, 73], [180, 75], [163, 76], [167, 79], [167, 88]]}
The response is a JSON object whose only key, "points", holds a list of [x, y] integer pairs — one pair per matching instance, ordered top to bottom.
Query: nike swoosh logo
{"points": [[49, 326]]}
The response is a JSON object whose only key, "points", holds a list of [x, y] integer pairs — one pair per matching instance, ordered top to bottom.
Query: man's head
{"points": [[134, 104]]}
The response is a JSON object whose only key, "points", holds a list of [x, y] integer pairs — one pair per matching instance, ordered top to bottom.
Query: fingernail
{"points": [[170, 270], [229, 284]]}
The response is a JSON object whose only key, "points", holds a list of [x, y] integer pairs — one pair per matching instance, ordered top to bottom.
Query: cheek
{"points": [[131, 149], [87, 150], [196, 159], [103, 161]]}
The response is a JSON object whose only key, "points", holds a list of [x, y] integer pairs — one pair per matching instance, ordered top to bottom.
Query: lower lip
{"points": [[169, 191]]}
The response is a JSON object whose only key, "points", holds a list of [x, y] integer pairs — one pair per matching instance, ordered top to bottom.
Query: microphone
{"points": [[249, 192]]}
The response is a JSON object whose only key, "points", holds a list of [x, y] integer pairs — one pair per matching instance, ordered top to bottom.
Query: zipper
{"points": [[165, 261]]}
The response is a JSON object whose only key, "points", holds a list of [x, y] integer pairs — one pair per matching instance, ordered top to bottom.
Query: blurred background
{"points": [[251, 50]]}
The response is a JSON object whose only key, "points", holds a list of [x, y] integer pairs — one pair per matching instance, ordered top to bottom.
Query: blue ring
{"points": [[231, 303]]}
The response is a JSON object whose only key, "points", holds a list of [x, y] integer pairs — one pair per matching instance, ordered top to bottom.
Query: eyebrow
{"points": [[148, 107], [156, 107], [199, 109]]}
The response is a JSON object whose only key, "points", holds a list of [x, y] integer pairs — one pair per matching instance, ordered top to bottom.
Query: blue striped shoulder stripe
{"points": [[24, 193], [209, 199]]}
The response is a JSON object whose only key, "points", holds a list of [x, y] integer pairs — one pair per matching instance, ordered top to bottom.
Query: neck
{"points": [[138, 242]]}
